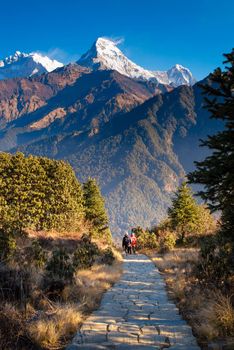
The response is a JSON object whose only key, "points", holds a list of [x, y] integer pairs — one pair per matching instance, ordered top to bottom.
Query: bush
{"points": [[145, 239], [167, 241], [7, 245], [38, 254], [84, 256], [107, 256], [214, 264], [60, 265], [15, 284], [12, 328]]}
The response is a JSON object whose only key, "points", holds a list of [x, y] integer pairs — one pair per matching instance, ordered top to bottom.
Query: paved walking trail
{"points": [[136, 314]]}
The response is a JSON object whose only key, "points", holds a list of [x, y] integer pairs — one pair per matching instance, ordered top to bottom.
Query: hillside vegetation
{"points": [[56, 253], [199, 270]]}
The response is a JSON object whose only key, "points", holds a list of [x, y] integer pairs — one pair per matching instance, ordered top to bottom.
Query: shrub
{"points": [[145, 239], [167, 241], [7, 245], [38, 254], [85, 254], [107, 256], [60, 265], [214, 266], [15, 284], [54, 288], [224, 315], [12, 327]]}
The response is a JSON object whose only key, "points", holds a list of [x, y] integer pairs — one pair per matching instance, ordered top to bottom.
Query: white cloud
{"points": [[116, 40]]}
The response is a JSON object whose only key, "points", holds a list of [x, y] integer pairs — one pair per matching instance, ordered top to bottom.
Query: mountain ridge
{"points": [[104, 54], [26, 65], [137, 137]]}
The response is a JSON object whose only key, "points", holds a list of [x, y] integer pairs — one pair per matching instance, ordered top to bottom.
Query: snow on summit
{"points": [[104, 54], [25, 65]]}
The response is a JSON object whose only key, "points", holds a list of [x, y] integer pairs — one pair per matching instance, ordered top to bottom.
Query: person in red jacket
{"points": [[133, 242]]}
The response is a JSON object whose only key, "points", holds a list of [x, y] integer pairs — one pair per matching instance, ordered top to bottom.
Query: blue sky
{"points": [[157, 33]]}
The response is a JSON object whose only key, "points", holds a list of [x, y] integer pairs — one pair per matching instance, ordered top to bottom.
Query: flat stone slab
{"points": [[136, 314]]}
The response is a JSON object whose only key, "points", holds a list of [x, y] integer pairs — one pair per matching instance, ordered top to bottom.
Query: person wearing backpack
{"points": [[125, 242], [133, 243]]}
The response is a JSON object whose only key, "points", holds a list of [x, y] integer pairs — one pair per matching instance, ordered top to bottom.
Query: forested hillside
{"points": [[138, 157], [54, 240]]}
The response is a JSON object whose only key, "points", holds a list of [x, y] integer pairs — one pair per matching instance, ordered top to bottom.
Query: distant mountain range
{"points": [[104, 54], [25, 65], [114, 121]]}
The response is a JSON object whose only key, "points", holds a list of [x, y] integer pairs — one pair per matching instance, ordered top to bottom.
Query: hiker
{"points": [[125, 242], [133, 243], [129, 246]]}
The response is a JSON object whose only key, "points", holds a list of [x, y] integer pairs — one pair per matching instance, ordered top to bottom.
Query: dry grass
{"points": [[176, 259], [92, 283], [210, 313], [221, 313], [60, 321], [50, 322], [52, 331]]}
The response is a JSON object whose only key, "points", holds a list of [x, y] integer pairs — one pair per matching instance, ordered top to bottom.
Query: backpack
{"points": [[133, 240], [126, 241]]}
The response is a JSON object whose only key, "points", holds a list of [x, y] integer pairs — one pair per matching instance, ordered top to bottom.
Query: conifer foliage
{"points": [[216, 172], [44, 194], [95, 210], [183, 212], [187, 217]]}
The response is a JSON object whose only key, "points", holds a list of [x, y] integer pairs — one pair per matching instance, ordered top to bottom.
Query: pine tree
{"points": [[216, 172], [38, 193], [63, 201], [95, 210], [183, 213]]}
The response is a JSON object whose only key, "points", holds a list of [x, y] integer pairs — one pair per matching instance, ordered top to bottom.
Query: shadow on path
{"points": [[136, 314]]}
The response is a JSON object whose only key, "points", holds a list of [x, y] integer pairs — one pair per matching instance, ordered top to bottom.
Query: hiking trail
{"points": [[136, 314]]}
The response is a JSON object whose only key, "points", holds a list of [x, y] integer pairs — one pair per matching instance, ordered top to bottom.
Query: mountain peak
{"points": [[102, 40], [105, 54], [22, 64], [180, 75]]}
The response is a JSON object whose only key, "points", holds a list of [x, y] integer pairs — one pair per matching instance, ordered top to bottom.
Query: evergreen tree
{"points": [[216, 172], [20, 187], [38, 193], [63, 201], [95, 210], [183, 213]]}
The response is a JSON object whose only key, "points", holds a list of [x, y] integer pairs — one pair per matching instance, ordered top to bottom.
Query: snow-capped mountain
{"points": [[104, 54], [25, 65], [179, 75]]}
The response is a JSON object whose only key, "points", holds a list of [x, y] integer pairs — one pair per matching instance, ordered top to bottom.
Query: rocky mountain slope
{"points": [[104, 54], [26, 65], [72, 99], [138, 137], [138, 157]]}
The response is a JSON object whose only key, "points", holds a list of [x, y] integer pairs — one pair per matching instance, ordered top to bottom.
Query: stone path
{"points": [[136, 314]]}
